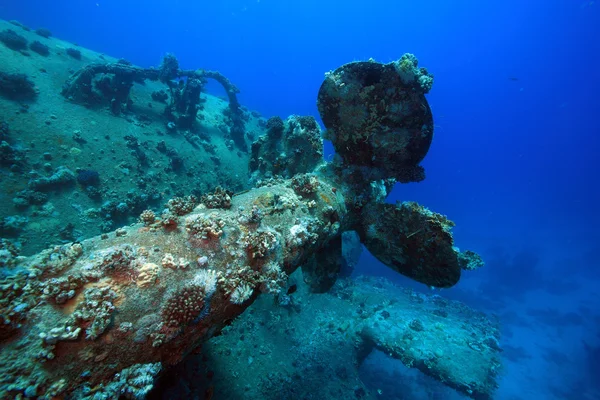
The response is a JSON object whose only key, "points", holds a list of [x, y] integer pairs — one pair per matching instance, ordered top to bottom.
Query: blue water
{"points": [[514, 162]]}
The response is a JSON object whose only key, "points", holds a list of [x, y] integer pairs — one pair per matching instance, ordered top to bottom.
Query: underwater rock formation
{"points": [[43, 32], [13, 40], [40, 48], [17, 86], [102, 317], [315, 348]]}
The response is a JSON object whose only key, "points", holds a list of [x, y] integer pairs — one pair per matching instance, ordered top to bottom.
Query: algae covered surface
{"points": [[161, 242]]}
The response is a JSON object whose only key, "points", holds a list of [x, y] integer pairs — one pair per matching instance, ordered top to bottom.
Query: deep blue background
{"points": [[515, 160]]}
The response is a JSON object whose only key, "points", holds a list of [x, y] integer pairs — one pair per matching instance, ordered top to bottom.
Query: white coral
{"points": [[207, 279], [241, 293]]}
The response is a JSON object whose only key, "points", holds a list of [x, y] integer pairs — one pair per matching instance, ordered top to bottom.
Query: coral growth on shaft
{"points": [[188, 303], [101, 317]]}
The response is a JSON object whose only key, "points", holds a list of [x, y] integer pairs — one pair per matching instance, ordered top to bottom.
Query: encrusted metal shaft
{"points": [[78, 314]]}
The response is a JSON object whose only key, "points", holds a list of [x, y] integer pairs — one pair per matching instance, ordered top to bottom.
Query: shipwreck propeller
{"points": [[377, 116], [380, 123]]}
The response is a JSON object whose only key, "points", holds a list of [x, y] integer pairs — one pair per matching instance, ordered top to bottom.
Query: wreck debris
{"points": [[94, 83]]}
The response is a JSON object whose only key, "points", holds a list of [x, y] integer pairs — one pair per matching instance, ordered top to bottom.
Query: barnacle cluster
{"points": [[305, 184], [220, 198], [182, 205], [147, 217], [203, 228], [260, 243], [169, 261], [118, 262], [63, 288], [95, 311]]}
